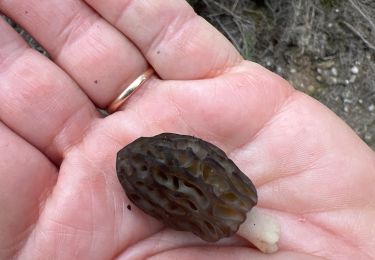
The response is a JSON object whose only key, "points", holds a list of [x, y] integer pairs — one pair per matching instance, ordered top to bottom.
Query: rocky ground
{"points": [[325, 48]]}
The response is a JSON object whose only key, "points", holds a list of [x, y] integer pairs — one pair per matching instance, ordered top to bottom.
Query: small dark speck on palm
{"points": [[129, 207]]}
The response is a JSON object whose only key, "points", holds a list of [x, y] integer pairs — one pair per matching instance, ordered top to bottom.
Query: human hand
{"points": [[59, 193]]}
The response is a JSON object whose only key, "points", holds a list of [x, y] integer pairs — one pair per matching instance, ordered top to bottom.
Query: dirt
{"points": [[324, 48]]}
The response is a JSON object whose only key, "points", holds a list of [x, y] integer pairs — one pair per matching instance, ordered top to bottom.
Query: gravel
{"points": [[325, 48]]}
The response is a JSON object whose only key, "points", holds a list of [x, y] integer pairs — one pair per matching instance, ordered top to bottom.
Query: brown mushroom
{"points": [[189, 185]]}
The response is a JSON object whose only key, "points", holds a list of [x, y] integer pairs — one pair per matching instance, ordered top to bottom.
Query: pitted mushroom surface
{"points": [[187, 183]]}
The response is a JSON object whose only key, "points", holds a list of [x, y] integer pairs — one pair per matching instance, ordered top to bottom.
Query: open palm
{"points": [[59, 193]]}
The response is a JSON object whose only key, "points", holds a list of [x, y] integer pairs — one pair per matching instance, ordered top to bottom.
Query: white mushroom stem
{"points": [[262, 230]]}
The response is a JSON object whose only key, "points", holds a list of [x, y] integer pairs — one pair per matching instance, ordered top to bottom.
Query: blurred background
{"points": [[325, 48]]}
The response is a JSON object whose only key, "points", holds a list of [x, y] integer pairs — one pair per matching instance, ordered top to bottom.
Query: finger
{"points": [[178, 43], [97, 56], [38, 100], [227, 110], [26, 179]]}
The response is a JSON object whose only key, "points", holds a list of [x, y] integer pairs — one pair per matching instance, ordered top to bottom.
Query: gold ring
{"points": [[130, 90]]}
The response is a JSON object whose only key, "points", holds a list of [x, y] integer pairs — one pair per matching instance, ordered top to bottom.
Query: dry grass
{"points": [[325, 48]]}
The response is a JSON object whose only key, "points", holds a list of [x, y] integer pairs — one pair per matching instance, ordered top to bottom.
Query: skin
{"points": [[59, 194]]}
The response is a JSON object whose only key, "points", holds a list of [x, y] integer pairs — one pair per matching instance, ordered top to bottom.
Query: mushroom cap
{"points": [[187, 183]]}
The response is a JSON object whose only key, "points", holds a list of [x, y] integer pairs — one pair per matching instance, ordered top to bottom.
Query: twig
{"points": [[234, 6], [222, 7], [362, 13], [350, 27], [231, 37], [245, 48]]}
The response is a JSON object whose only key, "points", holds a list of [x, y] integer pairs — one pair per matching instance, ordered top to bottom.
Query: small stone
{"points": [[329, 25], [268, 63], [326, 64], [279, 70], [293, 70], [319, 70], [354, 70], [334, 71], [326, 73], [319, 78], [352, 78], [334, 80], [346, 82], [311, 89], [346, 94], [360, 101], [346, 108], [371, 108], [368, 137]]}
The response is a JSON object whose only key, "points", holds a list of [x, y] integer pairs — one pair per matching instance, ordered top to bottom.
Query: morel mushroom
{"points": [[190, 185]]}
